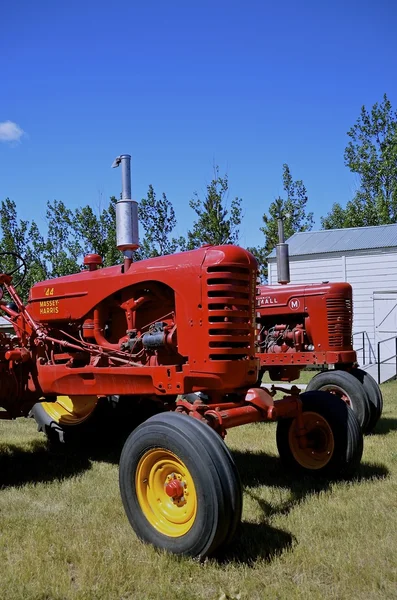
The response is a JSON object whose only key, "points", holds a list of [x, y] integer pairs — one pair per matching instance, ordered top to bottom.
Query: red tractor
{"points": [[303, 325], [160, 331]]}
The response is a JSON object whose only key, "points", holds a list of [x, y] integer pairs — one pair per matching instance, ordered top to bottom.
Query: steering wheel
{"points": [[21, 266]]}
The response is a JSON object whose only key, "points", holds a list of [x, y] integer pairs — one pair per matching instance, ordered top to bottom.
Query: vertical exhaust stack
{"points": [[127, 230], [282, 255]]}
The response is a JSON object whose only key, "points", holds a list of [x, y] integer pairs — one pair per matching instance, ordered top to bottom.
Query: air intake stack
{"points": [[127, 232], [282, 254]]}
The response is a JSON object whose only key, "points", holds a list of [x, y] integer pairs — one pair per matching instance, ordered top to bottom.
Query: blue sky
{"points": [[181, 85]]}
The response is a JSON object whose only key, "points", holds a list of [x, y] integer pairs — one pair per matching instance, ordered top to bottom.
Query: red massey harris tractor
{"points": [[303, 325], [159, 331]]}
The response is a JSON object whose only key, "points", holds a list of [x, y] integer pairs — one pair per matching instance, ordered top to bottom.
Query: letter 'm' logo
{"points": [[294, 304]]}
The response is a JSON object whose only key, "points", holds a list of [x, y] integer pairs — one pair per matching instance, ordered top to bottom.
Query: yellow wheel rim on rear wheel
{"points": [[70, 410], [319, 440], [173, 517]]}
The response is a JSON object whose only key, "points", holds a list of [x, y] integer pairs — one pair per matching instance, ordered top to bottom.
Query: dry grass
{"points": [[64, 534]]}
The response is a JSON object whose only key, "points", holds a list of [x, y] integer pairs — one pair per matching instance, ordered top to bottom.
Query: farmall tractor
{"points": [[303, 325], [160, 331]]}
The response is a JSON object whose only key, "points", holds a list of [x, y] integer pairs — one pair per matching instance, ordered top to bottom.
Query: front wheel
{"points": [[331, 443], [179, 485]]}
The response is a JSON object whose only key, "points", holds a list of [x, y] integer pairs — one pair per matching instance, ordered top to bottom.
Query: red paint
{"points": [[169, 325], [304, 325], [166, 326], [174, 489]]}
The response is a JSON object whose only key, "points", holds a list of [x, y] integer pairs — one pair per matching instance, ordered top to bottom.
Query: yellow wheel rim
{"points": [[70, 410], [315, 449], [156, 470]]}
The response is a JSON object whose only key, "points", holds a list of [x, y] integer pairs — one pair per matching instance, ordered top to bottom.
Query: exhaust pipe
{"points": [[127, 231], [282, 255]]}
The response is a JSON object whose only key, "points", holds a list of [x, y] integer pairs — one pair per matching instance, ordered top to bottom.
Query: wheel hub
{"points": [[338, 391], [314, 449], [174, 487], [166, 492]]}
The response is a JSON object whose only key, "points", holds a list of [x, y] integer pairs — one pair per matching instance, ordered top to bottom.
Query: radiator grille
{"points": [[230, 310], [340, 320]]}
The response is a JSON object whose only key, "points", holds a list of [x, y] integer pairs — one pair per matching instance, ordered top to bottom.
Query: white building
{"points": [[366, 257], [5, 326]]}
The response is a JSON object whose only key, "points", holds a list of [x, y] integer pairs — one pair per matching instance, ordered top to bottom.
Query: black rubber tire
{"points": [[343, 383], [374, 395], [110, 419], [45, 424], [346, 431], [58, 433], [235, 486], [218, 488]]}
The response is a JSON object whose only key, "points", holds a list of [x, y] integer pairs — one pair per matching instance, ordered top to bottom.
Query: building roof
{"points": [[341, 240]]}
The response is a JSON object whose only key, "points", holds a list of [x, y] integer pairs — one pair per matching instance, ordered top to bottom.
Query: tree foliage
{"points": [[372, 154], [293, 210], [157, 219], [216, 222], [96, 233], [70, 235], [14, 236], [61, 248]]}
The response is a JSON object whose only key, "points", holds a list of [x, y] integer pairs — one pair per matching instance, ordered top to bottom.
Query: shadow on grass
{"points": [[385, 425], [97, 447], [19, 466], [258, 468], [261, 469], [261, 540], [255, 541]]}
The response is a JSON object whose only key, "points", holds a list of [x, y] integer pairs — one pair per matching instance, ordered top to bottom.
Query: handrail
{"points": [[363, 333], [393, 337]]}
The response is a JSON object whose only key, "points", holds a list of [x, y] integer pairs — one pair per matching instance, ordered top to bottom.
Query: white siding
{"points": [[314, 270], [366, 271], [369, 273]]}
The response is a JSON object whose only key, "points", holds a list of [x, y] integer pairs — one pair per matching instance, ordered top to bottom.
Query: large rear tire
{"points": [[347, 387], [374, 395], [66, 419], [87, 420], [333, 443], [174, 452]]}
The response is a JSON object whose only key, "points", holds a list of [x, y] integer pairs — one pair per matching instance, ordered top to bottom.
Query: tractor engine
{"points": [[284, 338]]}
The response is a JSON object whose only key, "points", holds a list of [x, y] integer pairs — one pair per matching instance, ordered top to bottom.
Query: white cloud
{"points": [[10, 132]]}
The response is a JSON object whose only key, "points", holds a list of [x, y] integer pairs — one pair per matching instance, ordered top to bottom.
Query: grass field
{"points": [[64, 534]]}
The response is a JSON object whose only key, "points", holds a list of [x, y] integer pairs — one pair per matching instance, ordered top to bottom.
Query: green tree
{"points": [[372, 155], [293, 209], [157, 219], [216, 223], [97, 233], [13, 239], [24, 239], [61, 249], [38, 268]]}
